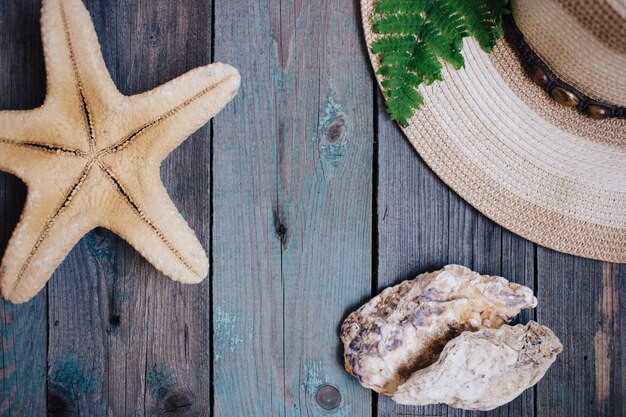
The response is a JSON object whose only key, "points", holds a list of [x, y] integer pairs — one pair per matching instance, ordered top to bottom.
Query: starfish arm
{"points": [[74, 62], [166, 116], [23, 150], [11, 151], [146, 217], [51, 224]]}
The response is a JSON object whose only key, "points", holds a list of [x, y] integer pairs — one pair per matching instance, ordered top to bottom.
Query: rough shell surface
{"points": [[406, 327], [485, 369]]}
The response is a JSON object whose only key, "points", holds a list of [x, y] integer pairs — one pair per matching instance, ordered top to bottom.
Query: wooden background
{"points": [[309, 201]]}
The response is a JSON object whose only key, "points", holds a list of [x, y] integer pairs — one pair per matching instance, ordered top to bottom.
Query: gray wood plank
{"points": [[292, 206], [412, 225], [422, 226], [582, 301], [23, 328], [124, 339]]}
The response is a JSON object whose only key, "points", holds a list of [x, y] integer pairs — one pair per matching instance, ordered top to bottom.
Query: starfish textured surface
{"points": [[90, 157]]}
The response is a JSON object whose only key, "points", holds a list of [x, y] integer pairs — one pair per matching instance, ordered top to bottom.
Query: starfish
{"points": [[90, 157]]}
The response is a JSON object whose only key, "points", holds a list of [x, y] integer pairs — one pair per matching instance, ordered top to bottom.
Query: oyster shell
{"points": [[406, 327], [485, 369]]}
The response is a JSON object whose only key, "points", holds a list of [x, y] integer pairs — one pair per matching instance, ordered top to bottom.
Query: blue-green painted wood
{"points": [[292, 206], [293, 230], [247, 284], [23, 328], [124, 339]]}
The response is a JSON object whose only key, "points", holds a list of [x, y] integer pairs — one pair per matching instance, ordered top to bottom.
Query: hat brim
{"points": [[540, 170]]}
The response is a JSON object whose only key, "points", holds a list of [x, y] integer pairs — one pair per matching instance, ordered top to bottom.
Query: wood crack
{"points": [[143, 216], [50, 222]]}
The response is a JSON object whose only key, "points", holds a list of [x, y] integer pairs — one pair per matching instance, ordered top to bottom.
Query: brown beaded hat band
{"points": [[541, 74], [546, 172]]}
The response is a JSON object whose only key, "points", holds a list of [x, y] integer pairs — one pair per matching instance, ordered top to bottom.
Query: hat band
{"points": [[563, 93]]}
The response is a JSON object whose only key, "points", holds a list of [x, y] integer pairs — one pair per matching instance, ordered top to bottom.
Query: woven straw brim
{"points": [[540, 170]]}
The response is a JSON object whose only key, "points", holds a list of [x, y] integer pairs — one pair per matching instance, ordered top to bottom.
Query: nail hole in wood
{"points": [[153, 40], [114, 319], [328, 397]]}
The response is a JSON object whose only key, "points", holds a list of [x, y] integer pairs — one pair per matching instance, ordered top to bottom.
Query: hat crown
{"points": [[581, 41]]}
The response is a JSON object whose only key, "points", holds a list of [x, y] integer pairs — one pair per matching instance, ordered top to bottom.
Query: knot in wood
{"points": [[335, 129], [281, 230], [328, 397], [176, 403], [60, 404]]}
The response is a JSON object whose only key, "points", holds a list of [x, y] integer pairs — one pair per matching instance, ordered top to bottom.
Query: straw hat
{"points": [[538, 168]]}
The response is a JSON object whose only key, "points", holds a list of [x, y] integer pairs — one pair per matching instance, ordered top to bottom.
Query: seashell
{"points": [[406, 327], [485, 369]]}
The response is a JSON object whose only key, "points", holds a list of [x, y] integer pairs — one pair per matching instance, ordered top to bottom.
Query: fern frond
{"points": [[400, 6], [445, 16], [484, 20], [399, 24], [418, 34], [393, 44], [448, 49], [395, 58], [425, 63], [391, 71], [412, 79], [390, 84], [400, 102]]}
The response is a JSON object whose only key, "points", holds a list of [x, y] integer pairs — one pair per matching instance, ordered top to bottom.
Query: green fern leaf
{"points": [[400, 6], [447, 18], [484, 18], [399, 24], [417, 35], [393, 44], [448, 49], [395, 58], [425, 63], [392, 71], [390, 84]]}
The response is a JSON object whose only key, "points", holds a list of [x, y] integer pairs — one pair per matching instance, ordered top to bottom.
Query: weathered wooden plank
{"points": [[292, 173], [325, 173], [412, 225], [422, 226], [247, 284], [581, 300], [23, 333], [124, 339]]}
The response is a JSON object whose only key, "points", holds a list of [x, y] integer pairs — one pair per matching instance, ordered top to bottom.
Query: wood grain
{"points": [[292, 201], [306, 225], [422, 226], [247, 283], [587, 314], [23, 328], [124, 339]]}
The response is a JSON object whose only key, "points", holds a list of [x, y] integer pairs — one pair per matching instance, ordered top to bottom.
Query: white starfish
{"points": [[90, 157]]}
